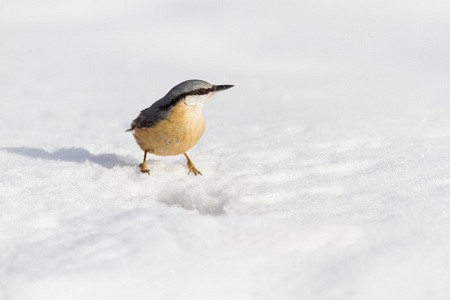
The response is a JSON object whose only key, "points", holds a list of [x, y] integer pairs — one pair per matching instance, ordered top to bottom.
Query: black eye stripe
{"points": [[202, 91], [184, 95]]}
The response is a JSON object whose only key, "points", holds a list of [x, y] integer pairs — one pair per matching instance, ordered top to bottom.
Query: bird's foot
{"points": [[144, 168], [193, 169]]}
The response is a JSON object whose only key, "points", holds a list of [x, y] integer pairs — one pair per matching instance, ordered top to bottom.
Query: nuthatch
{"points": [[174, 124]]}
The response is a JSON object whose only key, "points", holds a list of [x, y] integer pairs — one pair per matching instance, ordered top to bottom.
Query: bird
{"points": [[174, 124]]}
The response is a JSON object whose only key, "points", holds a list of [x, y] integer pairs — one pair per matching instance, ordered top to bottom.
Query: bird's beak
{"points": [[222, 87]]}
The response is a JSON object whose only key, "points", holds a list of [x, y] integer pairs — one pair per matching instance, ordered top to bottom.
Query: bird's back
{"points": [[159, 110], [149, 116]]}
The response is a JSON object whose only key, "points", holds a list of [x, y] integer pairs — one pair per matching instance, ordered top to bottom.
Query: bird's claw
{"points": [[144, 169], [193, 169]]}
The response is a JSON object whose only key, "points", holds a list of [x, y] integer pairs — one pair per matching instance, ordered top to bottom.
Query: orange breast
{"points": [[179, 132]]}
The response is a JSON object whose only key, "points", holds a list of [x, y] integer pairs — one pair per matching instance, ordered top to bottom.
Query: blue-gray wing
{"points": [[150, 116]]}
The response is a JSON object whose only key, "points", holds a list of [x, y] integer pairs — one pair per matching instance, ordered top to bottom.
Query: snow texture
{"points": [[326, 169]]}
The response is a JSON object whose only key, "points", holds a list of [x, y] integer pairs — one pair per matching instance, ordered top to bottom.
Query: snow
{"points": [[325, 169]]}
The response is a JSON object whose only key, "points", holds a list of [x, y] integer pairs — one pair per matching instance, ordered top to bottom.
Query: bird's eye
{"points": [[202, 91]]}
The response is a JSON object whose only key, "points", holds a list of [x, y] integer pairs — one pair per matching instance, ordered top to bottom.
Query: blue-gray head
{"points": [[193, 92]]}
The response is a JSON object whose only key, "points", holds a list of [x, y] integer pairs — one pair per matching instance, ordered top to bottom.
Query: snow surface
{"points": [[326, 169]]}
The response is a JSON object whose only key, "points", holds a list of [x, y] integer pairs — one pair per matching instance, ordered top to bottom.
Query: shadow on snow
{"points": [[107, 160]]}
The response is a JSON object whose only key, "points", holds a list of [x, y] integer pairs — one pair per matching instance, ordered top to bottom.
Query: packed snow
{"points": [[326, 169]]}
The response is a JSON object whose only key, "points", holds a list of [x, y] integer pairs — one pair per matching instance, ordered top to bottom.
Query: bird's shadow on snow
{"points": [[107, 160]]}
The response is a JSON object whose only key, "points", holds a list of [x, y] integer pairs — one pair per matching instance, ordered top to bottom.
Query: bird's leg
{"points": [[143, 166], [191, 166]]}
